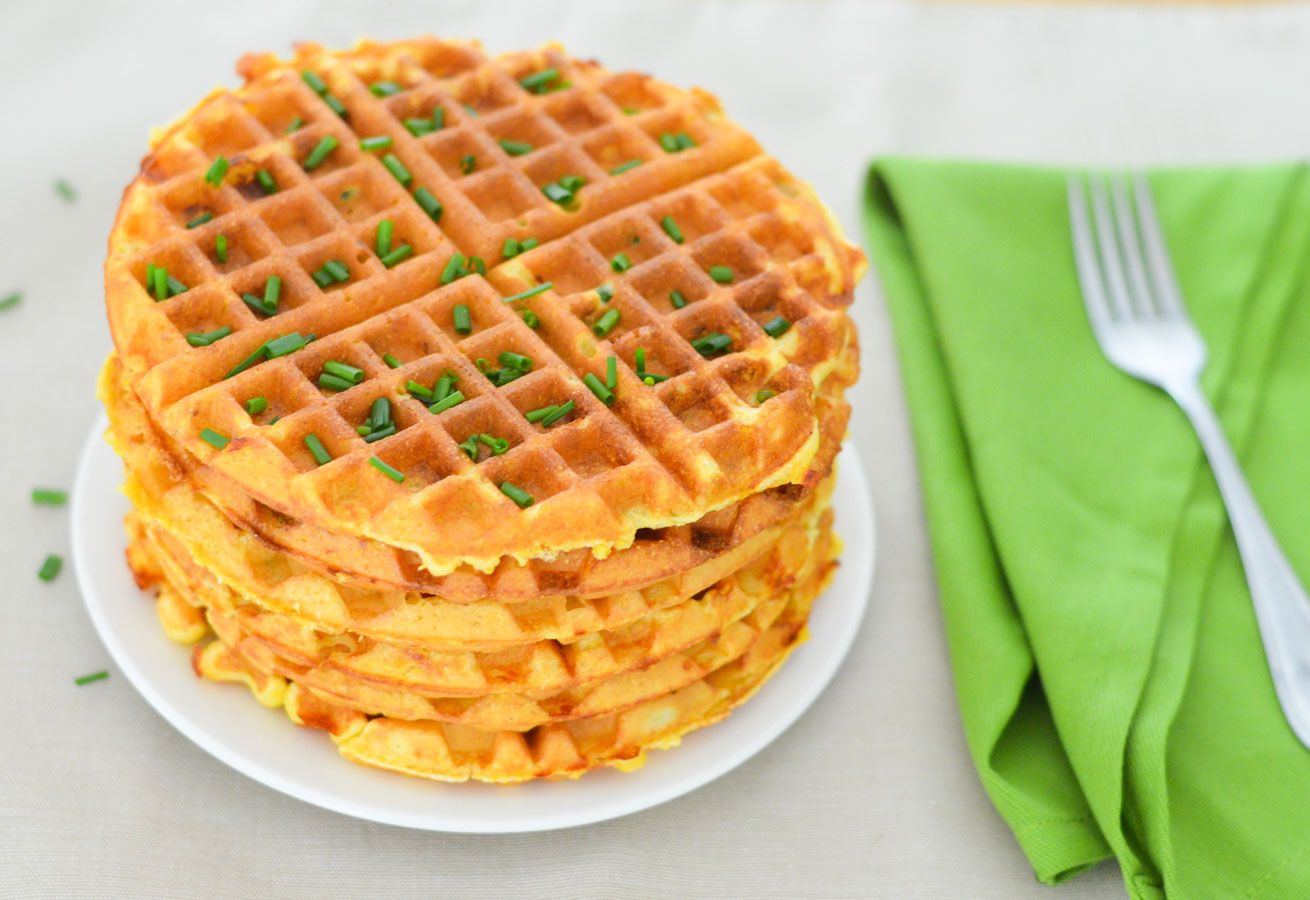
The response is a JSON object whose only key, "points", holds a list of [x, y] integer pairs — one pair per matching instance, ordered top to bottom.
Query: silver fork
{"points": [[1138, 317]]}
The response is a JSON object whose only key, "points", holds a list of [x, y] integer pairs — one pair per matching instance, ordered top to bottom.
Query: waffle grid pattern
{"points": [[666, 446]]}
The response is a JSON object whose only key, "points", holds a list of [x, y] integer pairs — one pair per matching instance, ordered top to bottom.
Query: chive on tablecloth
{"points": [[1109, 672]]}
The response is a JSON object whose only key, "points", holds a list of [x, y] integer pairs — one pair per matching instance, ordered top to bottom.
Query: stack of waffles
{"points": [[478, 411]]}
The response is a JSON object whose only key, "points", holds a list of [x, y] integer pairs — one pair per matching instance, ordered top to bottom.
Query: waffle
{"points": [[755, 246], [163, 485], [535, 671], [448, 752]]}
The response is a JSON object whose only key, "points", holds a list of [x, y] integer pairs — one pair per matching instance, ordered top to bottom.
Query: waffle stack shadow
{"points": [[480, 412]]}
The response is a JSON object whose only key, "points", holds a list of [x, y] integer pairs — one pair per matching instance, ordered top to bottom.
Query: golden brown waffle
{"points": [[662, 455], [162, 485], [537, 671], [448, 752]]}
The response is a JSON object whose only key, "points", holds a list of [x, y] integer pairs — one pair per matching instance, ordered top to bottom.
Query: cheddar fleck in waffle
{"points": [[479, 411]]}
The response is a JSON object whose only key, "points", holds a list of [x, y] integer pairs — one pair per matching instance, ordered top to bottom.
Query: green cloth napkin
{"points": [[1110, 676]]}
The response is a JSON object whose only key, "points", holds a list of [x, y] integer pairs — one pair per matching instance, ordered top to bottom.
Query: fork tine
{"points": [[1131, 244], [1084, 253], [1111, 256], [1163, 282]]}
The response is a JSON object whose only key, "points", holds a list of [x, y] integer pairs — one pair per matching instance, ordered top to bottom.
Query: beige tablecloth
{"points": [[872, 792]]}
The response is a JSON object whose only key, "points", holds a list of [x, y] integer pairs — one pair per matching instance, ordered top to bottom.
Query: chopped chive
{"points": [[539, 82], [315, 83], [384, 88], [335, 105], [629, 111], [473, 113], [438, 118], [296, 124], [419, 127], [684, 141], [377, 142], [669, 143], [515, 148], [320, 152], [467, 163], [630, 164], [397, 168], [217, 171], [265, 179], [572, 183], [65, 190], [557, 193], [428, 203], [200, 220], [672, 230], [383, 241], [527, 244], [220, 248], [511, 249], [401, 253], [621, 263], [477, 264], [453, 267], [337, 269], [721, 274], [323, 278], [156, 281], [175, 287], [272, 289], [531, 292], [605, 293], [676, 298], [12, 300], [258, 304], [463, 319], [531, 319], [605, 324], [776, 328], [204, 339], [714, 342], [288, 343], [260, 353], [639, 357], [391, 360], [515, 361], [482, 365], [612, 373], [352, 374], [330, 382], [444, 386], [419, 390], [604, 394], [764, 394], [447, 402], [256, 405], [558, 413], [379, 414], [537, 415], [273, 421], [363, 430], [377, 434], [213, 438], [497, 445], [470, 446], [317, 450], [518, 495], [49, 497], [50, 568], [94, 676]]}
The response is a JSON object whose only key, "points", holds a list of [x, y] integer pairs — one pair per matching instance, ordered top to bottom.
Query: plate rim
{"points": [[184, 721]]}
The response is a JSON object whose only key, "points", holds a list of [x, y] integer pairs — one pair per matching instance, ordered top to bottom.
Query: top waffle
{"points": [[421, 243]]}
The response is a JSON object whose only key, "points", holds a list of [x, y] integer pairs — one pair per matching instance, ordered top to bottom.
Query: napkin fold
{"points": [[1111, 680]]}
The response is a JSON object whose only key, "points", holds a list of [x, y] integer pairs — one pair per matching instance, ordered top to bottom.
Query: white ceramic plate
{"points": [[263, 743]]}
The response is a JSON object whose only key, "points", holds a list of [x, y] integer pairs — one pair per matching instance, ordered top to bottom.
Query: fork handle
{"points": [[1282, 609]]}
